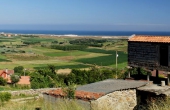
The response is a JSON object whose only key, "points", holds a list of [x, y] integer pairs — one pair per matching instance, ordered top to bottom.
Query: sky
{"points": [[91, 15]]}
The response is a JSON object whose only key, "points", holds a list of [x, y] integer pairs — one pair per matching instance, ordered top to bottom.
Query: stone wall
{"points": [[29, 92], [54, 100], [118, 100]]}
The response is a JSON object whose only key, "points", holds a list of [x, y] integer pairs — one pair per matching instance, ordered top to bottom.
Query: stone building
{"points": [[150, 52], [109, 94]]}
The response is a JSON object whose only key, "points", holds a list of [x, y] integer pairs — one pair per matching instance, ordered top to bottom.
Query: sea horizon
{"points": [[87, 33]]}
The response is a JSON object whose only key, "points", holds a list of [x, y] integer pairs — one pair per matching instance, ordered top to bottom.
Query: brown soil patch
{"points": [[66, 58], [64, 71]]}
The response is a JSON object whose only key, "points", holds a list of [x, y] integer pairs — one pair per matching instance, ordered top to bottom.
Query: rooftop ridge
{"points": [[150, 38]]}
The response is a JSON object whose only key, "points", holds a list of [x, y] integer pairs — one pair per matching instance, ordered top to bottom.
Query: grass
{"points": [[37, 39], [66, 53], [37, 56], [26, 57], [4, 58], [108, 60], [11, 88], [23, 96], [40, 103], [156, 104]]}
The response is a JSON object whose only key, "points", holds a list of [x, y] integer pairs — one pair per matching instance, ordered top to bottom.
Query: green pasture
{"points": [[37, 39], [43, 50], [66, 53], [39, 57], [4, 59], [108, 60]]}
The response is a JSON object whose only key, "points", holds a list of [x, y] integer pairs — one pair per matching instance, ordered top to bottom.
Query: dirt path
{"points": [[21, 100]]}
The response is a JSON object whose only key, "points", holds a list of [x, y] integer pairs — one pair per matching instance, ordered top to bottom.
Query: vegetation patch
{"points": [[88, 42], [69, 47], [66, 53], [71, 54], [26, 57], [107, 60], [71, 66], [4, 96], [43, 105]]}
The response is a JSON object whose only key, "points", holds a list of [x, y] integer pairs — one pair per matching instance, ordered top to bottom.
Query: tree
{"points": [[52, 68], [19, 69], [43, 78], [14, 79]]}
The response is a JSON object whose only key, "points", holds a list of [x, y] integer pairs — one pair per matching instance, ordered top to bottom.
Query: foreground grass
{"points": [[12, 88], [40, 103], [156, 104], [73, 105], [160, 105]]}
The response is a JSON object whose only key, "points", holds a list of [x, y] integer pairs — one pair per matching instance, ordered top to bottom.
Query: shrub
{"points": [[54, 42], [69, 47], [19, 69], [44, 78], [14, 79], [3, 82], [18, 86], [70, 91], [5, 96]]}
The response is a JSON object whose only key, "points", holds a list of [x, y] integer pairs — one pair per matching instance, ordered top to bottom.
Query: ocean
{"points": [[87, 33]]}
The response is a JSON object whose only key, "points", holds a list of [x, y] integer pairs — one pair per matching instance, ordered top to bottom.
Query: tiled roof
{"points": [[147, 38], [2, 71], [10, 72], [25, 80], [96, 90], [84, 95]]}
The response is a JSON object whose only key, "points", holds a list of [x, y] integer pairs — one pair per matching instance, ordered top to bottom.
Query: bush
{"points": [[31, 42], [54, 42], [68, 47], [19, 69], [89, 76], [44, 78], [14, 79], [3, 82], [18, 86], [70, 92], [5, 96]]}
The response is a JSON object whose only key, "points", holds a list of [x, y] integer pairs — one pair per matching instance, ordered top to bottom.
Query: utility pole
{"points": [[116, 64], [24, 71]]}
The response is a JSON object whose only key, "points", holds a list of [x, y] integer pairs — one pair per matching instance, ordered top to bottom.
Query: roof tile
{"points": [[149, 38]]}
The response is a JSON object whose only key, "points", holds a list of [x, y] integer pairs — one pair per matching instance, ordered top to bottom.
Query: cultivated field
{"points": [[33, 52]]}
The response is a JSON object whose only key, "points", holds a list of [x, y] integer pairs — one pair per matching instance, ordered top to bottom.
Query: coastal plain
{"points": [[34, 51]]}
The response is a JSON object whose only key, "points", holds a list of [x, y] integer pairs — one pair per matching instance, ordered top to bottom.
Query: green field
{"points": [[15, 53]]}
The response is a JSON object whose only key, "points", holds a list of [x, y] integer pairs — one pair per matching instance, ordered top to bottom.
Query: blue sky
{"points": [[107, 15]]}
